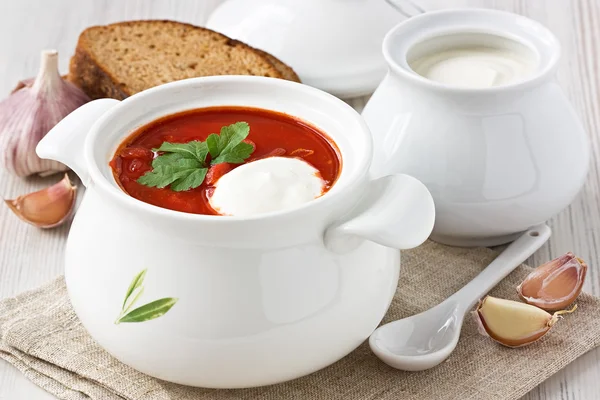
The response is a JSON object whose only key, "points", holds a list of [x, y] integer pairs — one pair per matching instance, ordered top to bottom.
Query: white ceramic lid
{"points": [[334, 45]]}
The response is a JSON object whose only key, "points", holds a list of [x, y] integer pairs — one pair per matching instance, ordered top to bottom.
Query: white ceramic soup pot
{"points": [[497, 160], [231, 302]]}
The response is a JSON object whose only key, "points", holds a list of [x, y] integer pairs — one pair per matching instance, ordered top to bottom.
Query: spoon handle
{"points": [[408, 8], [517, 252]]}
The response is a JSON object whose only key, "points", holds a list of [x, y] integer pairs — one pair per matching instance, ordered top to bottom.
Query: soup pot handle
{"points": [[64, 142], [397, 211]]}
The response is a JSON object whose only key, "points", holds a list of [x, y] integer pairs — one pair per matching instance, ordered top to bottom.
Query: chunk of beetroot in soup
{"points": [[278, 152], [130, 153], [302, 153], [136, 165], [215, 172]]}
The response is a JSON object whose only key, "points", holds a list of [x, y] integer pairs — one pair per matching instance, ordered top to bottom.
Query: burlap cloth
{"points": [[41, 336]]}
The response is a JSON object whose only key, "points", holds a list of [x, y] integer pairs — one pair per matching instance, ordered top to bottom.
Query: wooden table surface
{"points": [[30, 257]]}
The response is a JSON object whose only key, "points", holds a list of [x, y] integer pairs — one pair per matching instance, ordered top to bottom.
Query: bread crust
{"points": [[286, 71], [97, 81]]}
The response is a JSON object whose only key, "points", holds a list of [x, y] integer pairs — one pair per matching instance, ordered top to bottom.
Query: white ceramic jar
{"points": [[497, 160], [242, 301]]}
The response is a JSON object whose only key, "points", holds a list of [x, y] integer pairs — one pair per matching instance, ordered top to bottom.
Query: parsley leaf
{"points": [[233, 135], [229, 137], [213, 142], [182, 148], [201, 151], [237, 155], [170, 158], [183, 165], [165, 175], [159, 177], [192, 181]]}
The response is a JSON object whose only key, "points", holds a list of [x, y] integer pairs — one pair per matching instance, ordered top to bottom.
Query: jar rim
{"points": [[526, 32]]}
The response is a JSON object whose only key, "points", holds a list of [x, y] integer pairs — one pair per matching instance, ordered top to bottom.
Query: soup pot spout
{"points": [[65, 142], [396, 211]]}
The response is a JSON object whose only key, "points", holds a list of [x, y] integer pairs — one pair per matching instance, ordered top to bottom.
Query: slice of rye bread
{"points": [[122, 59], [285, 70]]}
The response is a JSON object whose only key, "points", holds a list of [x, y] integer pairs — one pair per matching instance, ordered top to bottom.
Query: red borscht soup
{"points": [[177, 161]]}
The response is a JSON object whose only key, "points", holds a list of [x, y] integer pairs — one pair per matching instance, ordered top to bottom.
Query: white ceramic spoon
{"points": [[424, 340]]}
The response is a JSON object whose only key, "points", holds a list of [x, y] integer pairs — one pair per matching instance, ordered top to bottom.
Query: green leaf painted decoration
{"points": [[137, 281], [134, 300], [149, 311]]}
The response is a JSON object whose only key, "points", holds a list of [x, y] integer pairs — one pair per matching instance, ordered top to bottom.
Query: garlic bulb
{"points": [[27, 115], [48, 207]]}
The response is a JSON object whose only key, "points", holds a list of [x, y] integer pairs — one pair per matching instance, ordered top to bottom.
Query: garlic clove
{"points": [[28, 114], [48, 207], [555, 284], [513, 324]]}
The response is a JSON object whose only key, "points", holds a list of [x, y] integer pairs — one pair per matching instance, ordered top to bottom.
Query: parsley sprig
{"points": [[183, 166]]}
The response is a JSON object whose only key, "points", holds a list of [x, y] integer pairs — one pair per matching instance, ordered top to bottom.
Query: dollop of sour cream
{"points": [[475, 66], [267, 185]]}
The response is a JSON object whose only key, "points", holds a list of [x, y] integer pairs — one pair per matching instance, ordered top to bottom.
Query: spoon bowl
{"points": [[424, 340], [419, 341]]}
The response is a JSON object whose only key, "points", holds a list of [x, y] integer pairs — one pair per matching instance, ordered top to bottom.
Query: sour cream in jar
{"points": [[473, 61]]}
